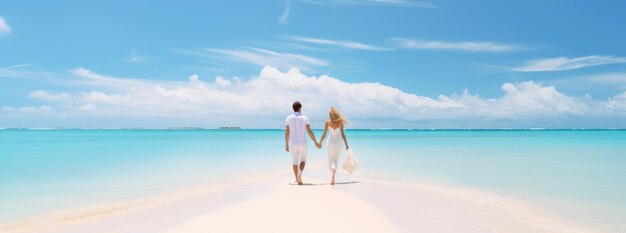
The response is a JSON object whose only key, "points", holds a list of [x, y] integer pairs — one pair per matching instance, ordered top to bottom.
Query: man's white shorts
{"points": [[298, 153]]}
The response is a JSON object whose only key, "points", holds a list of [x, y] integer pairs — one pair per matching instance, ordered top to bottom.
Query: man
{"points": [[295, 139]]}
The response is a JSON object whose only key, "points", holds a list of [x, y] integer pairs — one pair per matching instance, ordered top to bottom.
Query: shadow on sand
{"points": [[336, 183]]}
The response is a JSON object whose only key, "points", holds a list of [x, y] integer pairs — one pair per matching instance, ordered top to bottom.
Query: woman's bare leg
{"points": [[296, 173], [332, 180]]}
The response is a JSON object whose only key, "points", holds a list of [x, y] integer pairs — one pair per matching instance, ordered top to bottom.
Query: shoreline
{"points": [[354, 129], [391, 206]]}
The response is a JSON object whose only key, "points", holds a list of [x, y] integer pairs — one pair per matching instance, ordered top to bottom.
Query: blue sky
{"points": [[385, 63]]}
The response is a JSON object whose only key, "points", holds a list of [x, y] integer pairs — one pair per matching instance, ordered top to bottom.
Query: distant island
{"points": [[229, 127]]}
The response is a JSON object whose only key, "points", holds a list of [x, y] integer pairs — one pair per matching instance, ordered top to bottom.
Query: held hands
{"points": [[318, 145], [347, 147]]}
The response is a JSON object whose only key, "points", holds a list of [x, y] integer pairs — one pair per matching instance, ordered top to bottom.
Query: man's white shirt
{"points": [[297, 128]]}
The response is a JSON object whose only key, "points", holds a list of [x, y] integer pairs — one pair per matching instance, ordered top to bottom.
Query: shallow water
{"points": [[579, 174]]}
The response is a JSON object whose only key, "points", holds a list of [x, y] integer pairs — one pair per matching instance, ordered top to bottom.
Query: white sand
{"points": [[268, 203], [292, 208]]}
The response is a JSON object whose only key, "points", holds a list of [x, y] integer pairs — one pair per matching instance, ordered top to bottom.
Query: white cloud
{"points": [[397, 3], [284, 18], [4, 26], [344, 44], [469, 46], [135, 57], [262, 57], [565, 63], [13, 67], [15, 71], [23, 71], [86, 77], [194, 78], [94, 79], [608, 79], [221, 81], [613, 81], [270, 94], [44, 95], [528, 98], [617, 103], [87, 107], [27, 110]]}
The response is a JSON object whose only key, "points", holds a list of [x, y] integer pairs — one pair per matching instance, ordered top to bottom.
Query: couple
{"points": [[295, 139]]}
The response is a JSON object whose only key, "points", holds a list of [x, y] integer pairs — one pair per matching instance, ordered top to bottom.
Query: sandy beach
{"points": [[193, 116], [268, 202]]}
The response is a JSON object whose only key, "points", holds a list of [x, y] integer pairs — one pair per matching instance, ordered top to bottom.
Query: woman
{"points": [[333, 146]]}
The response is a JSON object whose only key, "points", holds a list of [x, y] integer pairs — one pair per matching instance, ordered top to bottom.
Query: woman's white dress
{"points": [[333, 146]]}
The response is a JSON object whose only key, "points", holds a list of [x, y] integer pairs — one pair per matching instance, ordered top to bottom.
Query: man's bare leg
{"points": [[301, 170], [296, 172], [332, 180]]}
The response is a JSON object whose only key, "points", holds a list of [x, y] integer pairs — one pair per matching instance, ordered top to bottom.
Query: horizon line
{"points": [[354, 129]]}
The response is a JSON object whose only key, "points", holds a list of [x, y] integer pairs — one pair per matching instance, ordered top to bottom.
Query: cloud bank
{"points": [[338, 43], [468, 46], [565, 63], [267, 97]]}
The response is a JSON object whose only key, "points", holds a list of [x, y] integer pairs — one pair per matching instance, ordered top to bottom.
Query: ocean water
{"points": [[578, 174]]}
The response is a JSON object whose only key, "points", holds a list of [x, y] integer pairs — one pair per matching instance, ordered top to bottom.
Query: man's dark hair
{"points": [[296, 106]]}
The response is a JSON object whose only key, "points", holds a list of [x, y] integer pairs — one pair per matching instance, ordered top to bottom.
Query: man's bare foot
{"points": [[299, 180]]}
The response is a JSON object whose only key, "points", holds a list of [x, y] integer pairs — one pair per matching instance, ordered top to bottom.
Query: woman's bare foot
{"points": [[300, 177], [299, 180], [332, 181]]}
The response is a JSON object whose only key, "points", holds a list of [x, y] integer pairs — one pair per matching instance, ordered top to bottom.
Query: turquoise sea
{"points": [[578, 174]]}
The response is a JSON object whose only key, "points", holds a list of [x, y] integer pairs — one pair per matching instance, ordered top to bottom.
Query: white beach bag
{"points": [[350, 162]]}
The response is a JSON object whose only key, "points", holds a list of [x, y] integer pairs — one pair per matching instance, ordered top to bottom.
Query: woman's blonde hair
{"points": [[337, 117]]}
